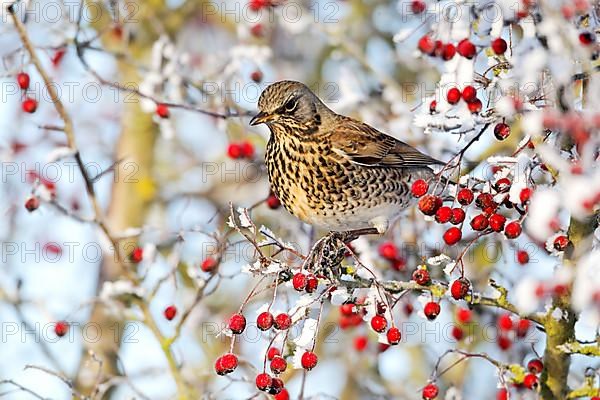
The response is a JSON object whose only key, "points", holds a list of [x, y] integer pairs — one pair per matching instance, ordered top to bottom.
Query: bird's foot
{"points": [[328, 252], [326, 255]]}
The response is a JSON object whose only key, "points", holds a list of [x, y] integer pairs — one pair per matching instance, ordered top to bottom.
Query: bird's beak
{"points": [[261, 118]]}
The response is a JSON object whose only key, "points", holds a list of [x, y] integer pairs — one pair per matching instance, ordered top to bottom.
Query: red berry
{"points": [[256, 5], [417, 6], [257, 30], [586, 38], [426, 44], [499, 46], [466, 49], [448, 52], [58, 56], [256, 76], [23, 80], [469, 93], [453, 96], [29, 105], [475, 106], [432, 107], [162, 110], [501, 131], [247, 149], [234, 150], [502, 185], [419, 187], [525, 195], [465, 196], [485, 200], [273, 202], [32, 203], [429, 204], [443, 214], [458, 216], [497, 222], [513, 229], [452, 235], [561, 242], [388, 250], [137, 255], [522, 257], [208, 264], [398, 264], [421, 276], [299, 281], [311, 283], [459, 288], [560, 289], [348, 309], [432, 310], [170, 312], [463, 315], [264, 321], [282, 321], [505, 322], [237, 323], [378, 323], [523, 327], [61, 328], [457, 333], [393, 335], [504, 342], [360, 343], [272, 352], [308, 360], [230, 361], [226, 363], [278, 365], [535, 366], [263, 381], [530, 381], [276, 386], [430, 391], [502, 394], [283, 395]]}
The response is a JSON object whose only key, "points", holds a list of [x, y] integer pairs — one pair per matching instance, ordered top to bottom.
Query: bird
{"points": [[332, 171]]}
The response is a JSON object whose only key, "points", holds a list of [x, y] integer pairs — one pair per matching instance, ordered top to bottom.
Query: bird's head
{"points": [[289, 105]]}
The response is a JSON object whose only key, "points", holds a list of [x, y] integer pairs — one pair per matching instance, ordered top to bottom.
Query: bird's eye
{"points": [[290, 105]]}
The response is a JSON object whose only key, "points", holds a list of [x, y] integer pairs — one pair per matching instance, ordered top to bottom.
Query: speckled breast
{"points": [[322, 188]]}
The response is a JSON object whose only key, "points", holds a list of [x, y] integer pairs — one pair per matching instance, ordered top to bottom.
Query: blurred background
{"points": [[160, 94]]}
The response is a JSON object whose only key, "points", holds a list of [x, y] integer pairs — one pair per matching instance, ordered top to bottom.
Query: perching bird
{"points": [[332, 171]]}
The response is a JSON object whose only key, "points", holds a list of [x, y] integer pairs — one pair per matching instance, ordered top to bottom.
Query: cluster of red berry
{"points": [[437, 48], [469, 95], [29, 104], [239, 150], [488, 221], [390, 252], [305, 282], [351, 315], [509, 330], [530, 380], [274, 385]]}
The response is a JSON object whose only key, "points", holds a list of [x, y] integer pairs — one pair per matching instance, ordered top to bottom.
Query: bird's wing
{"points": [[365, 145]]}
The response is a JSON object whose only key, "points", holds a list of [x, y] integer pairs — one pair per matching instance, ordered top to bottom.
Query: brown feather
{"points": [[367, 146]]}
